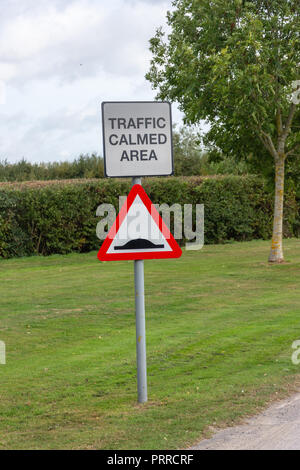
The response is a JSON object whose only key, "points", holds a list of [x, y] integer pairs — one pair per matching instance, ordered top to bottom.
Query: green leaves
{"points": [[229, 61], [62, 218]]}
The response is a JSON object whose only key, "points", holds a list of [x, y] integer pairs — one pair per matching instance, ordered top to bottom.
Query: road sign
{"points": [[137, 138], [138, 232]]}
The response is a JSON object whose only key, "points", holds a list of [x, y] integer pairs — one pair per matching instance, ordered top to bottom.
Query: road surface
{"points": [[277, 428]]}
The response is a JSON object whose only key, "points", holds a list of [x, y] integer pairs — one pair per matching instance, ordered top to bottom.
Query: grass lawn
{"points": [[220, 325]]}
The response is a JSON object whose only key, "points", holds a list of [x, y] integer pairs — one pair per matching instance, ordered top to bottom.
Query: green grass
{"points": [[220, 324]]}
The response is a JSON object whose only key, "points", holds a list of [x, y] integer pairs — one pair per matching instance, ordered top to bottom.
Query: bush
{"points": [[61, 218], [13, 241]]}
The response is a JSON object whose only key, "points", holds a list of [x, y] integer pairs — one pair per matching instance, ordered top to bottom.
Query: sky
{"points": [[59, 60]]}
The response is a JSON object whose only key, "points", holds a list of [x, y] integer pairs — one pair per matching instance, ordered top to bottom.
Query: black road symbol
{"points": [[138, 244]]}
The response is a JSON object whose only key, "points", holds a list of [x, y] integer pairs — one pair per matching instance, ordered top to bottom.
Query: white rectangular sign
{"points": [[137, 138]]}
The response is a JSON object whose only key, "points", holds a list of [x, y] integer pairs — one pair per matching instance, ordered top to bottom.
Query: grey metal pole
{"points": [[140, 325]]}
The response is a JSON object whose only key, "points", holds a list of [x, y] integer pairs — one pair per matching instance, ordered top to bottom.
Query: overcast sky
{"points": [[59, 59]]}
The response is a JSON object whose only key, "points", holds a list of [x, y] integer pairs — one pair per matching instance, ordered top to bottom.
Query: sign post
{"points": [[137, 141], [141, 358]]}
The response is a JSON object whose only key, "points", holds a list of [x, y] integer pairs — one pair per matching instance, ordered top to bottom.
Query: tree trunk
{"points": [[276, 254]]}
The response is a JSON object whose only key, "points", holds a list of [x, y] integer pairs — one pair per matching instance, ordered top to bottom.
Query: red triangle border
{"points": [[137, 189]]}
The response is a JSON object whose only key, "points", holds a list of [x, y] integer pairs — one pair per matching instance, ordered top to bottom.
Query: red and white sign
{"points": [[138, 232]]}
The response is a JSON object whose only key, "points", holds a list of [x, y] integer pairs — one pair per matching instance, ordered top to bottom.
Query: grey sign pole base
{"points": [[140, 324]]}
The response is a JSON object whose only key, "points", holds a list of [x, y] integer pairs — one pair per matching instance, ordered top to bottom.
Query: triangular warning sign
{"points": [[138, 232]]}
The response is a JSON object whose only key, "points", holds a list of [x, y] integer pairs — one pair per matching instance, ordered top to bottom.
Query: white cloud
{"points": [[111, 36], [59, 60]]}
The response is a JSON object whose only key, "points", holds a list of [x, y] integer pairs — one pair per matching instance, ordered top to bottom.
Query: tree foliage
{"points": [[233, 64], [236, 64], [189, 159], [85, 166]]}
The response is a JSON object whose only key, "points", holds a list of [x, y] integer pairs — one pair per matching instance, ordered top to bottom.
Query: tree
{"points": [[236, 65], [187, 152]]}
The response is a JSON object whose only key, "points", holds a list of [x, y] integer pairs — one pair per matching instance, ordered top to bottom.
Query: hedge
{"points": [[61, 217]]}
